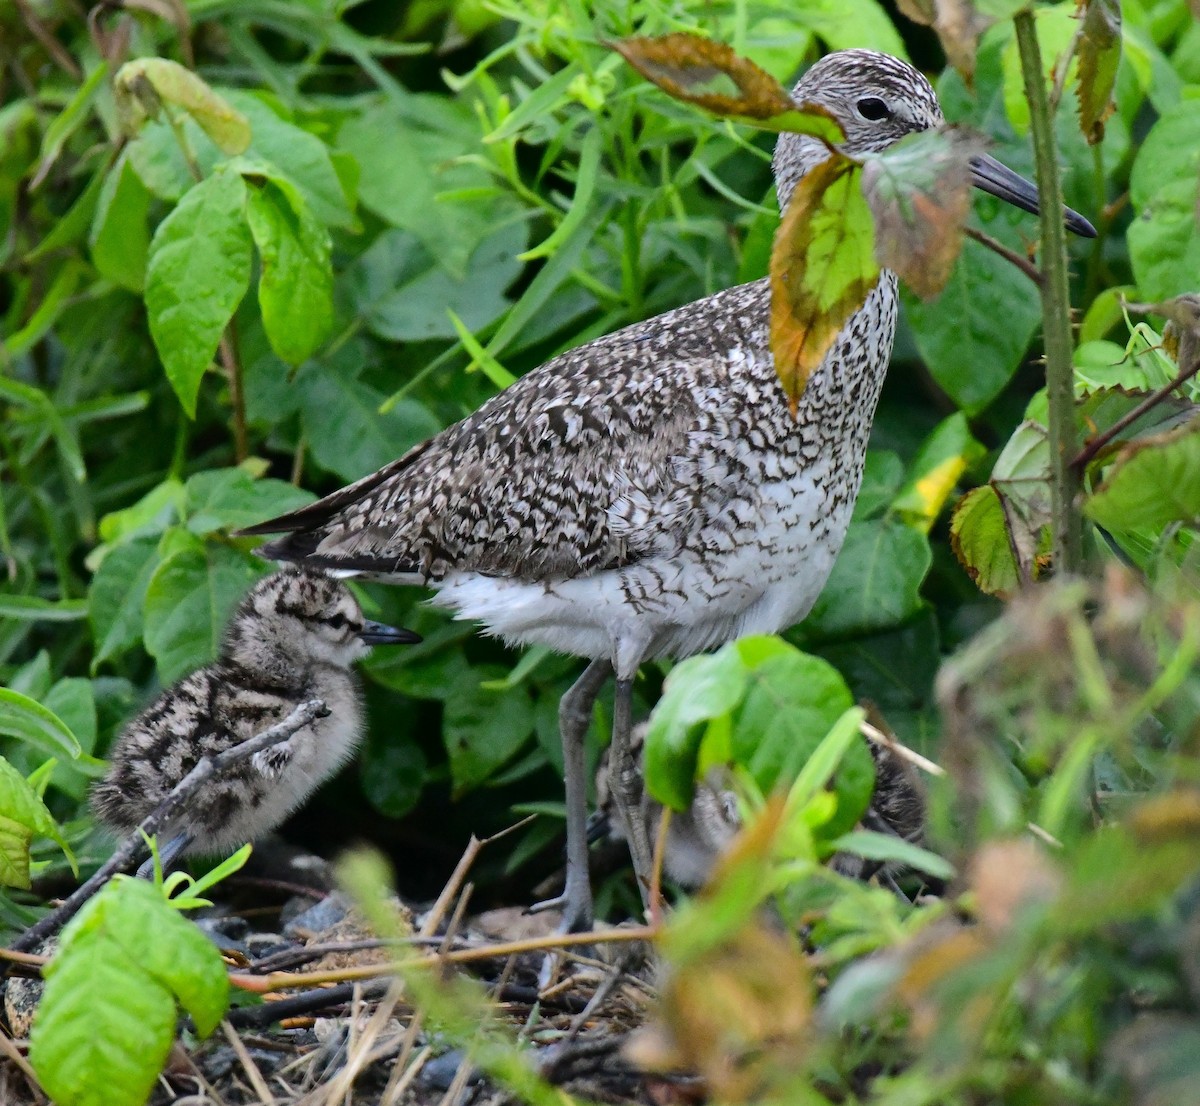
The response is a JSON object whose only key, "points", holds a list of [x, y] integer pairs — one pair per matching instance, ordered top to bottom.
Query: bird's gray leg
{"points": [[574, 717], [628, 787], [168, 853]]}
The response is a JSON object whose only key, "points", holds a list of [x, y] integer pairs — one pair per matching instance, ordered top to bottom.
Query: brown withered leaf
{"points": [[960, 24], [1099, 55], [712, 76], [919, 192], [822, 269], [1007, 876], [740, 1016]]}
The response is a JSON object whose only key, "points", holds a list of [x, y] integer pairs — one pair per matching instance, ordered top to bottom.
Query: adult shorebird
{"points": [[647, 494], [293, 638]]}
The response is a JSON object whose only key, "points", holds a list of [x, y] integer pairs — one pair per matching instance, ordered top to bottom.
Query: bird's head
{"points": [[878, 99], [299, 616]]}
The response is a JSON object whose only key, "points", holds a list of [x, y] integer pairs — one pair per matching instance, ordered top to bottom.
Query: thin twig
{"points": [[48, 42], [1023, 263], [1096, 444], [872, 733], [134, 844], [279, 981], [9, 1051], [248, 1065]]}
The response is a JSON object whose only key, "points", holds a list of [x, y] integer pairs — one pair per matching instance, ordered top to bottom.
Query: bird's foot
{"points": [[271, 761]]}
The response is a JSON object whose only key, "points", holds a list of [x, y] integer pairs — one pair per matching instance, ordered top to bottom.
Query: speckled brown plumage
{"points": [[292, 638]]}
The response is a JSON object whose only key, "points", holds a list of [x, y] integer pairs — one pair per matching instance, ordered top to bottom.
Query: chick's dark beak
{"points": [[997, 178], [376, 633]]}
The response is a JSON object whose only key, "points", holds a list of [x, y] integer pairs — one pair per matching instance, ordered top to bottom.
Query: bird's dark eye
{"points": [[873, 108], [337, 621]]}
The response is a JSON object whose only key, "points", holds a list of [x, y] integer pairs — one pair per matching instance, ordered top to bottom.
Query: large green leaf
{"points": [[407, 154], [300, 155], [120, 234], [1164, 239], [198, 272], [295, 282], [404, 295], [346, 432], [1152, 482], [227, 499], [876, 580], [117, 595], [189, 600], [792, 702], [29, 721], [483, 729], [23, 815], [107, 1018]]}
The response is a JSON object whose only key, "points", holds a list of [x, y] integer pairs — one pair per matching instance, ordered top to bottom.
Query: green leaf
{"points": [[142, 85], [67, 122], [418, 143], [299, 155], [120, 235], [1164, 240], [822, 268], [198, 272], [295, 284], [404, 295], [975, 334], [346, 433], [935, 471], [1152, 482], [228, 499], [151, 515], [979, 536], [876, 580], [117, 595], [189, 600], [32, 608], [697, 690], [29, 721], [483, 729], [784, 735], [23, 816], [894, 850], [106, 1021]]}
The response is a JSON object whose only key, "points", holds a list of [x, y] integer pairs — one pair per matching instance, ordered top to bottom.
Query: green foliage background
{"points": [[435, 198]]}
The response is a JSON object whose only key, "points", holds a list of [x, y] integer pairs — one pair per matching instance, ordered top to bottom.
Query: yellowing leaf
{"points": [[1099, 55], [710, 75], [142, 86], [919, 191], [822, 269], [980, 538]]}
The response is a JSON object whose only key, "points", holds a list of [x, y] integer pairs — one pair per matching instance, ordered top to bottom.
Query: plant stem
{"points": [[233, 370], [1066, 520]]}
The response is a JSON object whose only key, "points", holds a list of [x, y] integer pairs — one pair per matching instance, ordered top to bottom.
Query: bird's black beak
{"points": [[997, 178], [376, 633]]}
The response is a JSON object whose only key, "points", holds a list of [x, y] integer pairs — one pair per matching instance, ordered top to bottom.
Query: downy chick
{"points": [[292, 638], [698, 836]]}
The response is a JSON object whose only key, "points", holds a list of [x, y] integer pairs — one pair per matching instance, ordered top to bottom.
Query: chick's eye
{"points": [[873, 108], [337, 621]]}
